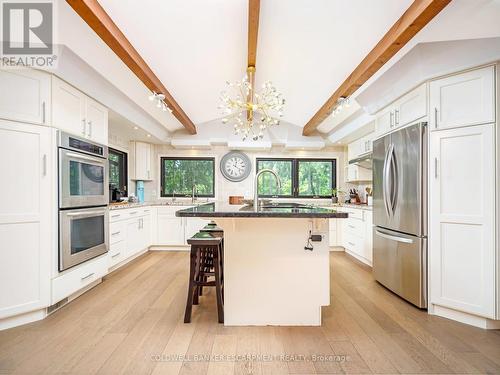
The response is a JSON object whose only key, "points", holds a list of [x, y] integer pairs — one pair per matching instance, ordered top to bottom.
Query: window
{"points": [[179, 175], [118, 177], [300, 178]]}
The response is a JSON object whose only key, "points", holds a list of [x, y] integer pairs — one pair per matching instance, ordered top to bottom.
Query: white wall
{"points": [[223, 187]]}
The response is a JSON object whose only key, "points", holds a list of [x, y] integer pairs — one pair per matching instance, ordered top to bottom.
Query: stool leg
{"points": [[197, 275], [218, 288], [189, 302]]}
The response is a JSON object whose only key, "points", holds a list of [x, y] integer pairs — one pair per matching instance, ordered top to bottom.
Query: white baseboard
{"points": [[336, 248], [360, 258], [462, 317], [26, 318]]}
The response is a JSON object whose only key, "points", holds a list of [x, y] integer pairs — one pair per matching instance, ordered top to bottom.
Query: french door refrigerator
{"points": [[400, 212]]}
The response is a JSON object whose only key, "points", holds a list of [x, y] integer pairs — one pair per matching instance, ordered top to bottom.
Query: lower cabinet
{"points": [[175, 231], [356, 233]]}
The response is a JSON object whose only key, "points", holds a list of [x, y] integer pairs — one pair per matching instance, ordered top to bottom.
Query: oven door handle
{"points": [[84, 157], [86, 213]]}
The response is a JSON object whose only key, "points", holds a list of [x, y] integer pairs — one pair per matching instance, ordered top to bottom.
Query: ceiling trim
{"points": [[419, 14], [102, 24], [253, 31]]}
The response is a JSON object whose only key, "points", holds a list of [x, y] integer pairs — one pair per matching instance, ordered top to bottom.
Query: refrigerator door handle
{"points": [[393, 167], [385, 186], [394, 238]]}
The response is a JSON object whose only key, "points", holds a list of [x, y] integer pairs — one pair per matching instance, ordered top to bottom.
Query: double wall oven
{"points": [[83, 199]]}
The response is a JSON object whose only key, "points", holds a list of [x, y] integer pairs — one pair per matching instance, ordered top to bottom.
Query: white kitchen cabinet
{"points": [[25, 96], [463, 99], [411, 107], [407, 109], [76, 113], [96, 116], [360, 147], [141, 166], [355, 173], [26, 226], [170, 230], [334, 232], [356, 235], [368, 245], [462, 253]]}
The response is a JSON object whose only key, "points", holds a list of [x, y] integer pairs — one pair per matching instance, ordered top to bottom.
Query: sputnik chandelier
{"points": [[249, 112]]}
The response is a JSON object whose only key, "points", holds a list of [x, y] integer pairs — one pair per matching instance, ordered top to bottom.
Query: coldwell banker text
{"points": [[27, 34]]}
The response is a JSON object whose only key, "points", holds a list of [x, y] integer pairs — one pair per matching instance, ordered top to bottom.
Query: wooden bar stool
{"points": [[216, 231], [205, 262]]}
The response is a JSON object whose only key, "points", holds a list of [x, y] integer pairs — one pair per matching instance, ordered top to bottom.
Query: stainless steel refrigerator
{"points": [[400, 213]]}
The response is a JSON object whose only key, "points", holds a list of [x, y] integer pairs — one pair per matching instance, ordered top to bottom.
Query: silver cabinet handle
{"points": [[43, 112], [396, 117], [435, 117], [391, 118], [84, 127], [90, 129], [44, 165], [435, 167], [133, 212], [85, 213], [113, 216], [352, 226], [115, 233], [394, 238], [350, 243], [115, 255], [89, 275]]}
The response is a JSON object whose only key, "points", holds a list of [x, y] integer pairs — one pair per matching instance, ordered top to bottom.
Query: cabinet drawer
{"points": [[354, 213], [116, 215], [355, 227], [116, 232], [354, 244], [116, 253], [78, 278]]}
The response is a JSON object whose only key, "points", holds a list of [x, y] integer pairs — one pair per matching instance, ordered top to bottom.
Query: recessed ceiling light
{"points": [[136, 127], [148, 135]]}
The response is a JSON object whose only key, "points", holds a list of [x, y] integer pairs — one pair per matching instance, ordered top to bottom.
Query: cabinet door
{"points": [[25, 96], [463, 99], [411, 107], [68, 108], [96, 116], [384, 121], [142, 161], [461, 219], [368, 220], [26, 225], [193, 225], [170, 230], [145, 232], [133, 236]]}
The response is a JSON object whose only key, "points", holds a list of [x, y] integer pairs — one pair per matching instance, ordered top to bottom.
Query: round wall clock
{"points": [[235, 166]]}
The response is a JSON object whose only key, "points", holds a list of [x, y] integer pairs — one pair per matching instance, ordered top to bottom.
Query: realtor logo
{"points": [[27, 28]]}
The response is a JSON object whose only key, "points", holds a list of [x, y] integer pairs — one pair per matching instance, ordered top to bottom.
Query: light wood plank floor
{"points": [[132, 324]]}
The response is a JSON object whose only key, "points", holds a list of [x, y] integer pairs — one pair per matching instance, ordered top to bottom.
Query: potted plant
{"points": [[335, 194]]}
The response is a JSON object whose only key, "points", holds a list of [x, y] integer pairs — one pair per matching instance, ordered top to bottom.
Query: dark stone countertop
{"points": [[284, 210]]}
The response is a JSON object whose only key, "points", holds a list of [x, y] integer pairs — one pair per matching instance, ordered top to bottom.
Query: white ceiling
{"points": [[307, 48]]}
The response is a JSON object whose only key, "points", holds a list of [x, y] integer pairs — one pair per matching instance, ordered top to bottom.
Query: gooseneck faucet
{"points": [[256, 202]]}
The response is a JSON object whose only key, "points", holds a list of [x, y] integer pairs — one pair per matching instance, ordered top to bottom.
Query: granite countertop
{"points": [[353, 205], [121, 206], [284, 210]]}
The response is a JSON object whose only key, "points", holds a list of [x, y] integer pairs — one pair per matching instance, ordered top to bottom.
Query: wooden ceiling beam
{"points": [[414, 19], [102, 24], [253, 31]]}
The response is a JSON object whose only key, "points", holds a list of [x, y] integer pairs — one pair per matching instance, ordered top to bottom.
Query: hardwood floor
{"points": [[132, 323]]}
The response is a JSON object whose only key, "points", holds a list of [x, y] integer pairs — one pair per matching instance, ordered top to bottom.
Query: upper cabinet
{"points": [[27, 98], [463, 99], [407, 109], [76, 113], [360, 147], [141, 167]]}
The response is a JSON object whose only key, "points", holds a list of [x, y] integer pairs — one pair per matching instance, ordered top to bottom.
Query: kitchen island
{"points": [[269, 276]]}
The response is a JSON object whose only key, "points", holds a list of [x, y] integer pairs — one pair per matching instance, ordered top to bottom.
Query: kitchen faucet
{"points": [[256, 186], [193, 194]]}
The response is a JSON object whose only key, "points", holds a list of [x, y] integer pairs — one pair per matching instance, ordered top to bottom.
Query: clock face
{"points": [[235, 166]]}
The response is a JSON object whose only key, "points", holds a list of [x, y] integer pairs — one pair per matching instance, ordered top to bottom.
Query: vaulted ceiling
{"points": [[306, 48]]}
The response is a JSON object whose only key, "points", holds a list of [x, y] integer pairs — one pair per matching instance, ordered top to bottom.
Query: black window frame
{"points": [[124, 175], [162, 176], [295, 176]]}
